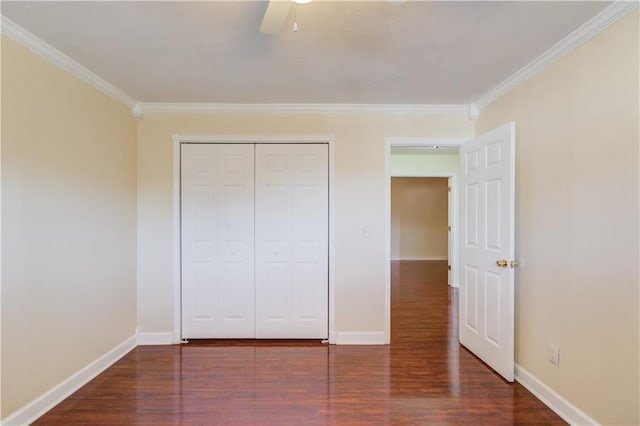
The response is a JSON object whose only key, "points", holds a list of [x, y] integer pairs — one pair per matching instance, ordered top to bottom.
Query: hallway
{"points": [[424, 376]]}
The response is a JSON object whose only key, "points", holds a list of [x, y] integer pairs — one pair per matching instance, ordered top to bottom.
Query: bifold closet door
{"points": [[217, 204], [291, 237]]}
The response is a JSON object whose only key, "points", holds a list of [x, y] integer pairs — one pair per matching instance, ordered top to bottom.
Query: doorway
{"points": [[422, 158], [486, 165], [420, 248]]}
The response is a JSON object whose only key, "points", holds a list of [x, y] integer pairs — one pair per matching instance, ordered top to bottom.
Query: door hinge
{"points": [[449, 188], [449, 228], [449, 267]]}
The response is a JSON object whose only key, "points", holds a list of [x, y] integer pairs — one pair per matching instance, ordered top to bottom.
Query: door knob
{"points": [[502, 263]]}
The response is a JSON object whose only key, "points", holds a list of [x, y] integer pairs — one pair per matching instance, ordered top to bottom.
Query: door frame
{"points": [[179, 139], [453, 212]]}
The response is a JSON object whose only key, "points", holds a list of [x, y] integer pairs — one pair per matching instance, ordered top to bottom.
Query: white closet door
{"points": [[217, 241], [291, 241]]}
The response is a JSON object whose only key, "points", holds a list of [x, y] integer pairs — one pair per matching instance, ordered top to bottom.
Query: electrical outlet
{"points": [[554, 355]]}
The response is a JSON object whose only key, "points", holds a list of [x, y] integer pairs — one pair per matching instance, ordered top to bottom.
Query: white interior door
{"points": [[217, 240], [291, 241], [487, 252]]}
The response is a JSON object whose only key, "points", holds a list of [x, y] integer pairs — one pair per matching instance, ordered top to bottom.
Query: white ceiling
{"points": [[379, 52]]}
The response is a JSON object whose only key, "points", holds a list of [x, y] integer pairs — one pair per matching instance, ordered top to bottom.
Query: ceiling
{"points": [[354, 52]]}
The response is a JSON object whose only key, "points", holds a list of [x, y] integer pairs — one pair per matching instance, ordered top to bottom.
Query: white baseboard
{"points": [[413, 258], [162, 338], [360, 338], [45, 402], [569, 412]]}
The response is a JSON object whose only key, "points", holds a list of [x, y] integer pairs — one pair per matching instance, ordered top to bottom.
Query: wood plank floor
{"points": [[424, 377]]}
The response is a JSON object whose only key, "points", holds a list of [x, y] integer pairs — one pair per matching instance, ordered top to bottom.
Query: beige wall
{"points": [[359, 200], [419, 218], [577, 220], [68, 225]]}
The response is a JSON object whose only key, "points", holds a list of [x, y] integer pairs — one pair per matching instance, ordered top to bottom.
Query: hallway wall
{"points": [[419, 219]]}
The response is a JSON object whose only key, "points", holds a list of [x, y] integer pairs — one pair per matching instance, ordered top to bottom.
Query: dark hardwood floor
{"points": [[423, 378]]}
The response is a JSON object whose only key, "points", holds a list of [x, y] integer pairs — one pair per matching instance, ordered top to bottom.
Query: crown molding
{"points": [[586, 31], [583, 33], [53, 55], [150, 107], [137, 112], [473, 112]]}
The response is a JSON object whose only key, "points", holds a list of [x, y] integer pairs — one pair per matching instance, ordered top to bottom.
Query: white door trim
{"points": [[179, 139], [390, 142]]}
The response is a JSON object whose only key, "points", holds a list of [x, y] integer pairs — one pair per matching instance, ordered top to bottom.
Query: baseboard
{"points": [[427, 258], [162, 338], [360, 338], [45, 402], [569, 412]]}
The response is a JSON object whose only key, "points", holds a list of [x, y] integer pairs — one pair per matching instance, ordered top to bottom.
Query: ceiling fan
{"points": [[277, 14]]}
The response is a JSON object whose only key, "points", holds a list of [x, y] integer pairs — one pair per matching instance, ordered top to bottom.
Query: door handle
{"points": [[504, 263]]}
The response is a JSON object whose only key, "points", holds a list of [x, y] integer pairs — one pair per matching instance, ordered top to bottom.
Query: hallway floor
{"points": [[423, 378]]}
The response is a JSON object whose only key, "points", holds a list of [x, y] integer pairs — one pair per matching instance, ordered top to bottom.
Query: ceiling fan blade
{"points": [[275, 16]]}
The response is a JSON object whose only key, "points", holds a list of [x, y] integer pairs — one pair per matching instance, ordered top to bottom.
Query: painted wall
{"points": [[416, 164], [435, 164], [359, 200], [419, 218], [577, 220], [68, 222]]}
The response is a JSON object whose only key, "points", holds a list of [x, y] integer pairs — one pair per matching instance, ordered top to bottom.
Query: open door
{"points": [[487, 168]]}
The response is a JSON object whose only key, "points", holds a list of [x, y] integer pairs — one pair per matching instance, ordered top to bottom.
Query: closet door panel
{"points": [[217, 241], [291, 241]]}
